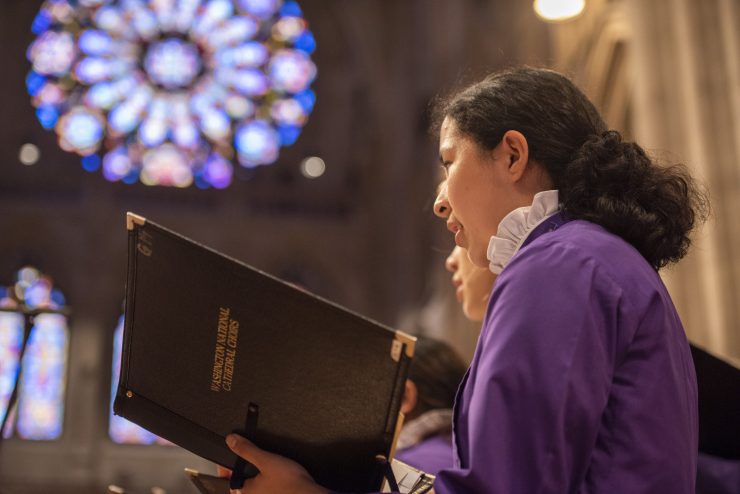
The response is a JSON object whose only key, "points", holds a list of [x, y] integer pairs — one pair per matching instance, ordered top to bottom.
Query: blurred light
{"points": [[260, 8], [558, 10], [288, 28], [94, 42], [52, 53], [172, 63], [291, 70], [288, 112], [80, 131], [257, 143], [29, 154], [116, 165], [313, 167], [217, 171]]}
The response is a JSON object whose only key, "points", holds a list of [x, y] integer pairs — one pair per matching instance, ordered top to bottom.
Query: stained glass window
{"points": [[172, 92], [33, 300], [11, 334], [121, 430]]}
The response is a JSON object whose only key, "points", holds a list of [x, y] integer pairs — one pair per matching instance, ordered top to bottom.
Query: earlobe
{"points": [[410, 397]]}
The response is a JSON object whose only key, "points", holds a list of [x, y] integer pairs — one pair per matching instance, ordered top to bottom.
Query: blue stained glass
{"points": [[291, 9], [41, 22], [306, 42], [34, 82], [307, 99], [47, 115], [288, 134], [90, 163], [131, 178], [201, 183], [57, 298]]}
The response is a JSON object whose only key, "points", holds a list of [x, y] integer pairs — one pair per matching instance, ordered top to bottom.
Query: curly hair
{"points": [[600, 177]]}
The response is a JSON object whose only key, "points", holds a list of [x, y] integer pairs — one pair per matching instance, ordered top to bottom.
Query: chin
{"points": [[479, 259], [469, 313]]}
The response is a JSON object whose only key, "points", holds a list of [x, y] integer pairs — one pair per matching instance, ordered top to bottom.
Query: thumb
{"points": [[247, 450]]}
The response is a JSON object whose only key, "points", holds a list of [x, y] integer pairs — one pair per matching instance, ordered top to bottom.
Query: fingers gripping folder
{"points": [[243, 470]]}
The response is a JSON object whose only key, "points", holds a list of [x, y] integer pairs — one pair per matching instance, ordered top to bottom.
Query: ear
{"points": [[516, 150], [410, 397]]}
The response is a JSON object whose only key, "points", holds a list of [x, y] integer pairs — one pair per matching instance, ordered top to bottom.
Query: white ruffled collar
{"points": [[516, 227]]}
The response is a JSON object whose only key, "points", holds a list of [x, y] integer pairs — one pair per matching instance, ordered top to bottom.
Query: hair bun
{"points": [[615, 184]]}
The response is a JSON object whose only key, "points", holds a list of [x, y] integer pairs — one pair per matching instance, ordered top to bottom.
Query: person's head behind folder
{"points": [[434, 376]]}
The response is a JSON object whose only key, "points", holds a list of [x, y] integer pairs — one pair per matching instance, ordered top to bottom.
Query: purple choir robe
{"points": [[582, 380], [430, 455]]}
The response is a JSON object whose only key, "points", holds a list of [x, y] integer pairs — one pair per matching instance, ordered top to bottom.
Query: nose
{"points": [[441, 204]]}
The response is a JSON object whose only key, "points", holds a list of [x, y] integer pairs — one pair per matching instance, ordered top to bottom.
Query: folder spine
{"points": [[128, 313]]}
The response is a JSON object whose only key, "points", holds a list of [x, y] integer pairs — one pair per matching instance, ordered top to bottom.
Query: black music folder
{"points": [[212, 346], [719, 405]]}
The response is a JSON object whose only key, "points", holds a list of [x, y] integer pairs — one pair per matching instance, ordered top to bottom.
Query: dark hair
{"points": [[600, 177], [437, 371]]}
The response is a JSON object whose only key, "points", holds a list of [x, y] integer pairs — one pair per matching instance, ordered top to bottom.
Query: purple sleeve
{"points": [[540, 379]]}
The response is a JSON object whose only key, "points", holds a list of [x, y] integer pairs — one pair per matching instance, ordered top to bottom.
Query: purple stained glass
{"points": [[125, 81], [11, 334], [41, 402], [39, 411], [120, 430]]}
